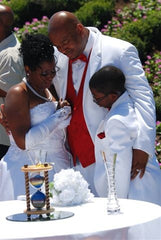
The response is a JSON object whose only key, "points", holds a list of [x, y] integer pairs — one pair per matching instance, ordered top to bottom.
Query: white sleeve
{"points": [[12, 69], [142, 96], [39, 132]]}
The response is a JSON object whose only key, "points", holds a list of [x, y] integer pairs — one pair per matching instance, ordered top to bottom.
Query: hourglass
{"points": [[36, 176], [38, 204]]}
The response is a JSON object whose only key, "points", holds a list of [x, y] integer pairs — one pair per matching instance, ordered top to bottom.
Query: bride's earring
{"points": [[27, 74]]}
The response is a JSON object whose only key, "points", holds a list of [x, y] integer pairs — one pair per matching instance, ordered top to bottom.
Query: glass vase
{"points": [[113, 206]]}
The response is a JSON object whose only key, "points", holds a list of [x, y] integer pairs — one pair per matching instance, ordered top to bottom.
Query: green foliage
{"points": [[51, 6], [26, 10], [95, 13], [138, 23], [36, 26], [144, 33], [152, 69], [158, 107], [158, 127], [158, 142]]}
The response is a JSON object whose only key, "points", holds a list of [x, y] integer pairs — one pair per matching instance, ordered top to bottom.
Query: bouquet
{"points": [[69, 188]]}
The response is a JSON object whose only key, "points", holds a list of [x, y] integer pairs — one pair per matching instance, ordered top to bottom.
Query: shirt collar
{"points": [[7, 41], [89, 44], [123, 98]]}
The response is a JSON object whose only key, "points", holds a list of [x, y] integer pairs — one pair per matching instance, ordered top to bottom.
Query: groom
{"points": [[71, 39]]}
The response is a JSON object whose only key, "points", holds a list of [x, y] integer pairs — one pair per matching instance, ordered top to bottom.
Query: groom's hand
{"points": [[139, 162]]}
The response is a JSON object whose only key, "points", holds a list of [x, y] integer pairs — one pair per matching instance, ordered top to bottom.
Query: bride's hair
{"points": [[36, 49]]}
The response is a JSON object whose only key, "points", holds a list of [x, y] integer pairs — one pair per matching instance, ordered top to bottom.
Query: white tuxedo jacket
{"points": [[111, 51], [120, 127]]}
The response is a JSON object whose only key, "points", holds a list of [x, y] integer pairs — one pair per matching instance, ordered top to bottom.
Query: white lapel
{"points": [[94, 61], [60, 80]]}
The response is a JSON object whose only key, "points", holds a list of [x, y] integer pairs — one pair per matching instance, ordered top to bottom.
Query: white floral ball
{"points": [[70, 188]]}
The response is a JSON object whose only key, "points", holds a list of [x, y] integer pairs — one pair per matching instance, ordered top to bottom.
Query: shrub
{"points": [[51, 6], [26, 10], [95, 13], [140, 24], [36, 26], [145, 34], [152, 69], [158, 107], [158, 142]]}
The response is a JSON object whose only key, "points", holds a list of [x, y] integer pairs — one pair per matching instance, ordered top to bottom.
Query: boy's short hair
{"points": [[108, 79]]}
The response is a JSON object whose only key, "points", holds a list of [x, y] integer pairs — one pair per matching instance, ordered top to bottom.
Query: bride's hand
{"points": [[62, 103], [64, 123]]}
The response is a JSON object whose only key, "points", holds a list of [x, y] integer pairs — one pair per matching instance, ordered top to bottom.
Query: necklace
{"points": [[49, 99]]}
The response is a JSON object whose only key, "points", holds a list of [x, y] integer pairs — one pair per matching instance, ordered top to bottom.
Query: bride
{"points": [[36, 120]]}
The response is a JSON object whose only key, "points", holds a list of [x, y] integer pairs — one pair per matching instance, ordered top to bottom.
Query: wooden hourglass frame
{"points": [[31, 169]]}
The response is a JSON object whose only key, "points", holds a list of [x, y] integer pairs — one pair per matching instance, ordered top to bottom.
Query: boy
{"points": [[116, 134]]}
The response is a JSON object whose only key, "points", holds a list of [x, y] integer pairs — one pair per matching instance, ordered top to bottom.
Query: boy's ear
{"points": [[113, 96]]}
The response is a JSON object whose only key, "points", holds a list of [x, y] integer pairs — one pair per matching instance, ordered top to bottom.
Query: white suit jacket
{"points": [[111, 51], [120, 127]]}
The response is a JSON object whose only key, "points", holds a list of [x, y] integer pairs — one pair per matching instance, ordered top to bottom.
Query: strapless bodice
{"points": [[38, 114], [54, 143]]}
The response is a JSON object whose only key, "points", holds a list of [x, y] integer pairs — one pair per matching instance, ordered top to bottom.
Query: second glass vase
{"points": [[113, 206]]}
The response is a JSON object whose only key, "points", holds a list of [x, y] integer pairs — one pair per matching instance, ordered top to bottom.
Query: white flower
{"points": [[70, 188]]}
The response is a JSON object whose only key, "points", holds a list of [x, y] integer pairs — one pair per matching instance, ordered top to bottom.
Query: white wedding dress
{"points": [[53, 145]]}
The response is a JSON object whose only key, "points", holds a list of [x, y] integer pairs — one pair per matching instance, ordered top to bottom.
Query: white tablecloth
{"points": [[138, 220]]}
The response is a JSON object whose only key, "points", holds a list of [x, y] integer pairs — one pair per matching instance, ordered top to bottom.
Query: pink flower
{"points": [[45, 19], [34, 20], [27, 23], [34, 28], [16, 29], [149, 57]]}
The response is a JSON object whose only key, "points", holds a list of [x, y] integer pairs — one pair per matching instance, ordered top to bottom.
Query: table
{"points": [[138, 220]]}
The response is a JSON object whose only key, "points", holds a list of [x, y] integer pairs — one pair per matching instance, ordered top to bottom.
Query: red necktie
{"points": [[81, 57]]}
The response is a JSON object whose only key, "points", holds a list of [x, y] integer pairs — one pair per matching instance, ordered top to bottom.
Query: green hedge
{"points": [[26, 10], [96, 13], [145, 34], [158, 107]]}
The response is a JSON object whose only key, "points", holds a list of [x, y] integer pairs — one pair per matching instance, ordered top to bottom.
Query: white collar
{"points": [[11, 38], [89, 44], [123, 98]]}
